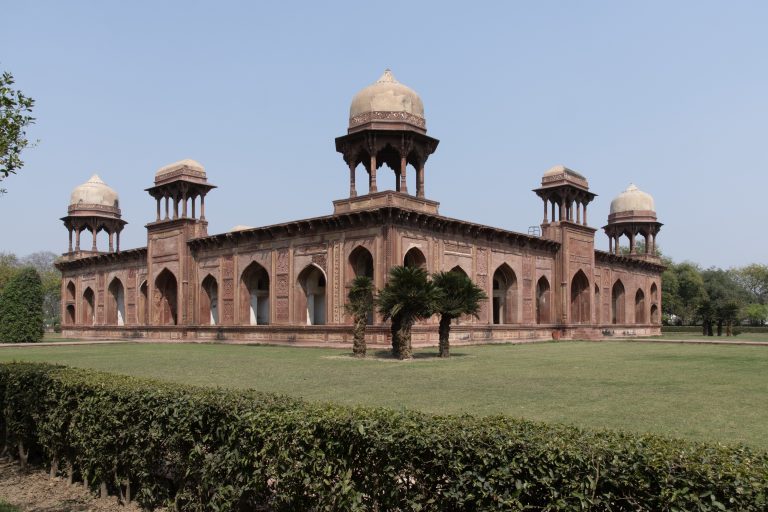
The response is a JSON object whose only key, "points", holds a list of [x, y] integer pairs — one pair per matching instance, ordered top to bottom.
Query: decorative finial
{"points": [[387, 77]]}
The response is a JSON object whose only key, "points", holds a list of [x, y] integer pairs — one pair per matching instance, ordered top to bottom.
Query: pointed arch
{"points": [[415, 258], [361, 262], [459, 270], [312, 281], [71, 293], [654, 293], [254, 295], [504, 295], [580, 296], [165, 298], [209, 301], [543, 302], [116, 303], [618, 303], [640, 306], [89, 307], [143, 309], [655, 314]]}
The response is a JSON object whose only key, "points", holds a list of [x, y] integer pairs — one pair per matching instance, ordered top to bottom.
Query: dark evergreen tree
{"points": [[21, 308]]}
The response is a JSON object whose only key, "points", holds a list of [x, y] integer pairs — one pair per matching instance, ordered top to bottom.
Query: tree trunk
{"points": [[719, 327], [704, 328], [709, 328], [728, 329], [395, 331], [445, 332], [358, 337], [404, 338], [23, 456], [54, 467]]}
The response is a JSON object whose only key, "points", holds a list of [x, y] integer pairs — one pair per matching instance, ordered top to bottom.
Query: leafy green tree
{"points": [[15, 110], [754, 279], [690, 290], [459, 295], [407, 297], [725, 297], [360, 306], [21, 308], [756, 313]]}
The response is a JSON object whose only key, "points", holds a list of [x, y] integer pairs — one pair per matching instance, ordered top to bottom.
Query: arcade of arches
{"points": [[289, 282]]}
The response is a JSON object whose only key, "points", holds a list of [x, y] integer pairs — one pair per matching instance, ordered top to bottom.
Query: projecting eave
{"points": [[373, 217], [65, 262], [634, 262]]}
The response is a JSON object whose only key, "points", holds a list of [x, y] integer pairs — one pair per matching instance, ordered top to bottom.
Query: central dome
{"points": [[387, 99]]}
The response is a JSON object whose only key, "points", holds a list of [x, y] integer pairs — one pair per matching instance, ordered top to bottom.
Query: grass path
{"points": [[695, 391]]}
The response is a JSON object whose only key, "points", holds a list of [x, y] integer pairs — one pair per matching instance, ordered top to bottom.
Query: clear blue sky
{"points": [[672, 96]]}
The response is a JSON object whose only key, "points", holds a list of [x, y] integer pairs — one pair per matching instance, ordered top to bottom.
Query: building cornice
{"points": [[605, 257], [66, 262]]}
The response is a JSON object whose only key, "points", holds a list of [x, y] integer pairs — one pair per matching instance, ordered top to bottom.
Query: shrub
{"points": [[21, 308], [210, 449]]}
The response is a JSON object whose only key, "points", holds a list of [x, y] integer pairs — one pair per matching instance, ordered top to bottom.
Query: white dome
{"points": [[386, 95], [181, 164], [94, 192], [632, 199]]}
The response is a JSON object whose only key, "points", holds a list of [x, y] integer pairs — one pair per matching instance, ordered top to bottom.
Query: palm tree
{"points": [[459, 295], [408, 296], [360, 306]]}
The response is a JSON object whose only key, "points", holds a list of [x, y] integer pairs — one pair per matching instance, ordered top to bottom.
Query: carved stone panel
{"points": [[282, 261], [482, 262], [228, 289]]}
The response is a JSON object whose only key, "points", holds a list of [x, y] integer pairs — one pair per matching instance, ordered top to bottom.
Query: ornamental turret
{"points": [[94, 207], [633, 213]]}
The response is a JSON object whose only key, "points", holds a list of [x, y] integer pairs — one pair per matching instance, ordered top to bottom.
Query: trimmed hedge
{"points": [[21, 308], [697, 328], [211, 449]]}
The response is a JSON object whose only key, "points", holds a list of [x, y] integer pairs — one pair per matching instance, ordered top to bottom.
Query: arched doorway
{"points": [[415, 258], [361, 262], [459, 270], [312, 282], [71, 292], [654, 294], [254, 295], [504, 295], [165, 298], [580, 298], [209, 301], [543, 302], [116, 303], [617, 303], [89, 307], [640, 307], [143, 308], [654, 314], [70, 318]]}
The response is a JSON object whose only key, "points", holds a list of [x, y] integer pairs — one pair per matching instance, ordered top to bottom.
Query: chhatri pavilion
{"points": [[288, 282]]}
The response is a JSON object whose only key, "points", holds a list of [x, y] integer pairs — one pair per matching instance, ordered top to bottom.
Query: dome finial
{"points": [[387, 78]]}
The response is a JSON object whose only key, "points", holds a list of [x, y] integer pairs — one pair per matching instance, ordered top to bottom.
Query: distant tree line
{"points": [[11, 266], [714, 298]]}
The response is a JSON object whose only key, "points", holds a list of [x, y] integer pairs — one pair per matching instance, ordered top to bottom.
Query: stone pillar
{"points": [[372, 176], [420, 180], [403, 185], [352, 190], [194, 200], [184, 205], [166, 207], [175, 207], [202, 207], [158, 209], [545, 211], [563, 211], [553, 212], [578, 212], [585, 214], [70, 239], [77, 239], [94, 239], [118, 241], [632, 244], [610, 245], [111, 246]]}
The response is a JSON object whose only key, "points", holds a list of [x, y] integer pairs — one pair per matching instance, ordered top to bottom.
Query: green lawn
{"points": [[746, 336], [694, 391]]}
